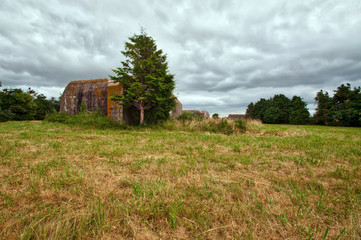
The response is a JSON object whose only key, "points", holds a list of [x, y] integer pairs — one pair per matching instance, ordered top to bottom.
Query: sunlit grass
{"points": [[275, 182]]}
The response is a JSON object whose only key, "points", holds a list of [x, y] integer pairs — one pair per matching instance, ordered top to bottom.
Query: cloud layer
{"points": [[224, 54]]}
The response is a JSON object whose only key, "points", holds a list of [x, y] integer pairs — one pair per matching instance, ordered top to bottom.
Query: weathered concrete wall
{"points": [[93, 93], [114, 110], [177, 111], [205, 114]]}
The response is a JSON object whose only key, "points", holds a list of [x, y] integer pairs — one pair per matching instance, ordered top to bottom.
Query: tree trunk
{"points": [[141, 121]]}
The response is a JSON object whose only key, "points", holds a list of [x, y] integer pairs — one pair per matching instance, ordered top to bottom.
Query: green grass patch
{"points": [[84, 119]]}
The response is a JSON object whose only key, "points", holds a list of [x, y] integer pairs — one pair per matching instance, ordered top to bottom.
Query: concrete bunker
{"points": [[95, 94]]}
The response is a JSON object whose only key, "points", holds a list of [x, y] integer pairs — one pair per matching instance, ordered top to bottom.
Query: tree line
{"points": [[16, 104], [279, 109], [343, 109]]}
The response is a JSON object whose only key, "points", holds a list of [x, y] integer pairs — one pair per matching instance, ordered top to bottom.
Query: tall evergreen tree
{"points": [[147, 83], [282, 106], [346, 106], [259, 109], [343, 109], [250, 110], [299, 113], [322, 116]]}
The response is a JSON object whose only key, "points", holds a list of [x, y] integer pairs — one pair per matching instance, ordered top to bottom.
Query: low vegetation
{"points": [[85, 120], [185, 122], [223, 126], [173, 181]]}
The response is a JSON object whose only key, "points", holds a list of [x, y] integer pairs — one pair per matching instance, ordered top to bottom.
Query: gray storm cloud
{"points": [[224, 54]]}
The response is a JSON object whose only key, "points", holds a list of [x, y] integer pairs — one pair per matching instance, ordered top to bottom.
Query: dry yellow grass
{"points": [[275, 182]]}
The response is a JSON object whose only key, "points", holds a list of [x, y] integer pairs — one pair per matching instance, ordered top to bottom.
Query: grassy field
{"points": [[285, 182]]}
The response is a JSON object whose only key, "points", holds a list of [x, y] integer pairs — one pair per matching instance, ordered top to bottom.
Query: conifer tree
{"points": [[147, 83]]}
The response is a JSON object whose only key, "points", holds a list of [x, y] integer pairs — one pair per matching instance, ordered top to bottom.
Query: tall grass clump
{"points": [[187, 116], [84, 119], [191, 123], [241, 124], [252, 125], [218, 126]]}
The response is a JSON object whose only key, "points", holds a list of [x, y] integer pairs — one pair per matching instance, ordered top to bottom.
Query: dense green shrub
{"points": [[189, 116], [215, 116], [57, 117]]}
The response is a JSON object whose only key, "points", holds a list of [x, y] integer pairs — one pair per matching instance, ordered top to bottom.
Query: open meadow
{"points": [[282, 182]]}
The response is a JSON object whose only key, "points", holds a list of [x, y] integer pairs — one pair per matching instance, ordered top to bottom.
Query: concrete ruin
{"points": [[95, 94], [177, 111]]}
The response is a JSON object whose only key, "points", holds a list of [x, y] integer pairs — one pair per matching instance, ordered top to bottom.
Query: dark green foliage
{"points": [[147, 84], [15, 104], [44, 106], [282, 106], [82, 107], [279, 109], [343, 109], [250, 110], [257, 110], [157, 112], [299, 114], [272, 115], [322, 115], [186, 116], [215, 116], [57, 117], [88, 120]]}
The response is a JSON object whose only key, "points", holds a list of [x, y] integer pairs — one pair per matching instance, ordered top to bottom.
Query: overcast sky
{"points": [[224, 54]]}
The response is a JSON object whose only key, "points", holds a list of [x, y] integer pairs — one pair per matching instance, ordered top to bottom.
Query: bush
{"points": [[189, 116], [215, 116], [57, 117], [90, 120], [241, 124]]}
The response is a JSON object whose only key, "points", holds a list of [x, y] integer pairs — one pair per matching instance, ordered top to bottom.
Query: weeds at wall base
{"points": [[186, 123]]}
